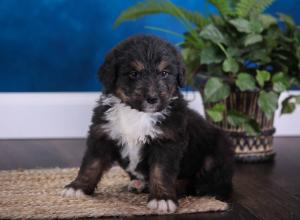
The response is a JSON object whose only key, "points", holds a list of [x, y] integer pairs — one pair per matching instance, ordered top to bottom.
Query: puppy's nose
{"points": [[152, 99]]}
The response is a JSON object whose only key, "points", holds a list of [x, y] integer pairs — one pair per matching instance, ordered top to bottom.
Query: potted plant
{"points": [[241, 61]]}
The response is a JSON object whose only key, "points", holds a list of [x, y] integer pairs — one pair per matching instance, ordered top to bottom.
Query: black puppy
{"points": [[143, 123]]}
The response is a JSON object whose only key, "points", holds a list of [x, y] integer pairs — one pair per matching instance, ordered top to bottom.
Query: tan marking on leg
{"points": [[91, 172], [89, 176], [158, 186]]}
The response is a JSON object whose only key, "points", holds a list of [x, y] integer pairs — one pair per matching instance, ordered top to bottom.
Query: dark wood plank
{"points": [[28, 154], [286, 169], [264, 197]]}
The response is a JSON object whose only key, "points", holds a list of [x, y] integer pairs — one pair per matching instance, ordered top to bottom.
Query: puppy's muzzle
{"points": [[151, 103]]}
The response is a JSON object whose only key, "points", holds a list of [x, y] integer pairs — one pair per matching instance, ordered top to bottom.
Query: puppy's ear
{"points": [[108, 71], [181, 71]]}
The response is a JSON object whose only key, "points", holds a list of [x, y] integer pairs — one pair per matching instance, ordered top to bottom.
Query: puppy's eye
{"points": [[164, 74], [134, 75]]}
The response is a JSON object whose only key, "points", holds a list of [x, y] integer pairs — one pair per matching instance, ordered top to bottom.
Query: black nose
{"points": [[152, 100]]}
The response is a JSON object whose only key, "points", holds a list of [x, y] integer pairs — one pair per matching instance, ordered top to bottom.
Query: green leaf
{"points": [[159, 6], [223, 6], [245, 8], [267, 20], [288, 20], [242, 25], [256, 26], [253, 28], [164, 31], [212, 33], [252, 39], [191, 42], [234, 51], [261, 54], [209, 55], [191, 58], [230, 65], [262, 76], [245, 82], [281, 82], [215, 89], [267, 102], [289, 104], [287, 107], [216, 112], [236, 118], [252, 127]]}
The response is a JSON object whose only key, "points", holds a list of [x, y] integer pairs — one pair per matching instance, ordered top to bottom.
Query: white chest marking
{"points": [[130, 128]]}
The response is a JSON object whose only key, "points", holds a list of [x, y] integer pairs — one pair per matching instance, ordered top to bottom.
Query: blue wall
{"points": [[58, 45]]}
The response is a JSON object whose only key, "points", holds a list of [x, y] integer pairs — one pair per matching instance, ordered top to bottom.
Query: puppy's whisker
{"points": [[174, 98]]}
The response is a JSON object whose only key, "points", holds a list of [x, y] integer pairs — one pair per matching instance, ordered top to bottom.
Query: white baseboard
{"points": [[67, 115]]}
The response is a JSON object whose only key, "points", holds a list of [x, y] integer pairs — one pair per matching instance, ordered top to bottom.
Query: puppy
{"points": [[143, 123]]}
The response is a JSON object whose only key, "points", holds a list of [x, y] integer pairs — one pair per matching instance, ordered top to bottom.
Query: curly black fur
{"points": [[187, 156]]}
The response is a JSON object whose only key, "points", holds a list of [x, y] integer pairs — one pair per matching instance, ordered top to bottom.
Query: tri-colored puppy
{"points": [[143, 123]]}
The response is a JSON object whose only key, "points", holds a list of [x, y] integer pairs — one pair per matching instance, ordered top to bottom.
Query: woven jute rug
{"points": [[36, 193]]}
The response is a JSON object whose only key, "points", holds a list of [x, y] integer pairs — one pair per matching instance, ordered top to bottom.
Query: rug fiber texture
{"points": [[35, 194]]}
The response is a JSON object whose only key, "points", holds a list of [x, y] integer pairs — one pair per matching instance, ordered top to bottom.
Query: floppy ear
{"points": [[108, 71], [181, 71]]}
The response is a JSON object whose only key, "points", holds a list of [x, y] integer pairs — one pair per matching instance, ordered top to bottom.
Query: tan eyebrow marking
{"points": [[137, 65], [162, 65]]}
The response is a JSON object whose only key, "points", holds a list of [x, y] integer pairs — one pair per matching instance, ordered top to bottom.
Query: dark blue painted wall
{"points": [[58, 45]]}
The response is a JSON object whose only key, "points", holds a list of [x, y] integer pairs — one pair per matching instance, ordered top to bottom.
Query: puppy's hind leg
{"points": [[98, 158], [215, 174], [214, 179]]}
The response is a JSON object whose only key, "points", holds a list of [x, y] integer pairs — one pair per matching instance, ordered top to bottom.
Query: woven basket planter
{"points": [[248, 148]]}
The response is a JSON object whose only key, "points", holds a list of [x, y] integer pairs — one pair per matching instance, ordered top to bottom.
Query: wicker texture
{"points": [[253, 149], [35, 194]]}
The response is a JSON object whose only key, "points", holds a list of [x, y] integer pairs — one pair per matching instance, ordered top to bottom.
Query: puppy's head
{"points": [[144, 72]]}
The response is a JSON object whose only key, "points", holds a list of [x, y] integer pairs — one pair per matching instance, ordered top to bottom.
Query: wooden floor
{"points": [[261, 191]]}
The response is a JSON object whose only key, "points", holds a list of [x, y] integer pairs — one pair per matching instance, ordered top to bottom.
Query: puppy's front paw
{"points": [[136, 186], [72, 193], [165, 206]]}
